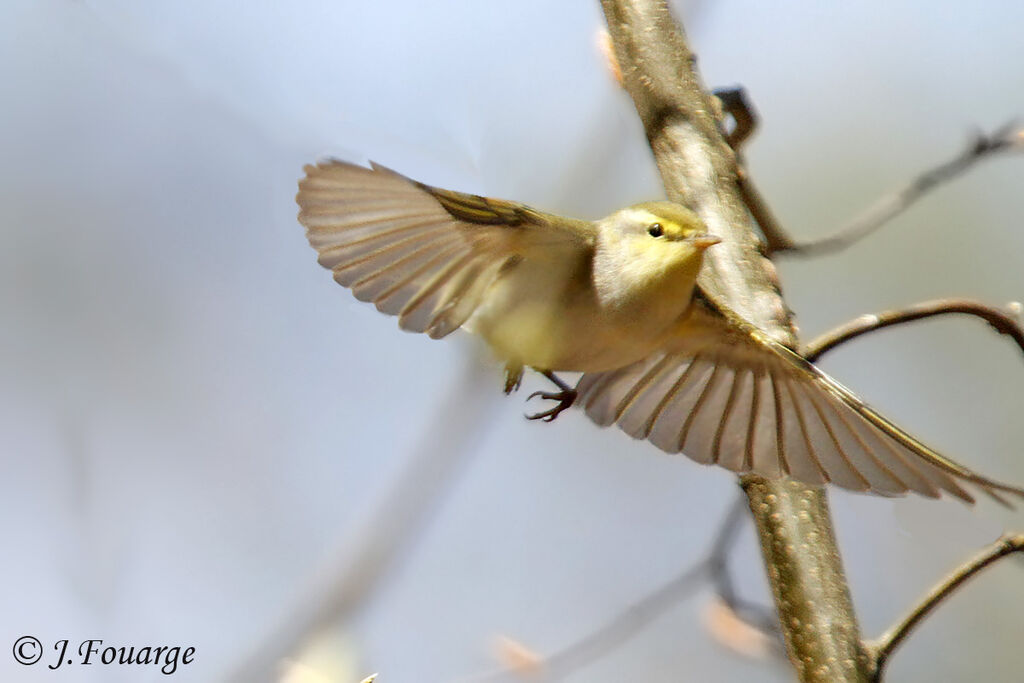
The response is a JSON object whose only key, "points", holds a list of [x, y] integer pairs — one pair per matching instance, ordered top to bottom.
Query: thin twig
{"points": [[736, 104], [1008, 137], [776, 239], [1004, 321], [754, 615], [629, 622], [626, 624], [615, 632], [881, 649]]}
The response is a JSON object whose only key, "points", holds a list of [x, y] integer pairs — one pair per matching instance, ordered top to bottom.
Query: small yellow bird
{"points": [[616, 299]]}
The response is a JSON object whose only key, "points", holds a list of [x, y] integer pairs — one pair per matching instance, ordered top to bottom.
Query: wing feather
{"points": [[424, 254], [391, 287], [464, 295], [418, 309], [752, 406], [732, 427], [666, 431], [695, 435], [765, 452], [801, 455]]}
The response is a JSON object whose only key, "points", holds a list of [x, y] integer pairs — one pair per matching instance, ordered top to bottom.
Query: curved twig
{"points": [[737, 104], [1008, 137], [1003, 321], [630, 621], [881, 649]]}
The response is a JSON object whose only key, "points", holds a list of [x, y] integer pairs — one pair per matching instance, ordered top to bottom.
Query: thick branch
{"points": [[699, 169]]}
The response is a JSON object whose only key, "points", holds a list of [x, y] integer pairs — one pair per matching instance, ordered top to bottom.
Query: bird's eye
{"points": [[655, 230]]}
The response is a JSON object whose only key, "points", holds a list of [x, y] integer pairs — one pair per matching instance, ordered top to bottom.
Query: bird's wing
{"points": [[424, 254], [723, 394]]}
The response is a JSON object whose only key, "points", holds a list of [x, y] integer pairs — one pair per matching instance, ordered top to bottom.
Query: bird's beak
{"points": [[705, 240]]}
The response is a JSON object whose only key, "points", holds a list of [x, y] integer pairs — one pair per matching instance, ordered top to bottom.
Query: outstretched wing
{"points": [[424, 254], [722, 394]]}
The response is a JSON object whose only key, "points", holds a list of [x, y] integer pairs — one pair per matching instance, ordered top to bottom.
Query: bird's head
{"points": [[659, 227], [649, 247]]}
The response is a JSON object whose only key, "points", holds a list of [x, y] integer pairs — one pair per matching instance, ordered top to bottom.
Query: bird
{"points": [[618, 300]]}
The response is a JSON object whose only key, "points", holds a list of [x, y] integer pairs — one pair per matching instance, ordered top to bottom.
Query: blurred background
{"points": [[202, 433]]}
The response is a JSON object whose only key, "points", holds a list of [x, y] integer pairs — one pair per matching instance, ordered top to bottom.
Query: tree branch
{"points": [[1008, 137], [699, 169], [1002, 321], [714, 566], [638, 615], [754, 615], [881, 649]]}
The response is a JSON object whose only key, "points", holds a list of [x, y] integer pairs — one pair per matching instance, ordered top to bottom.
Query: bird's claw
{"points": [[565, 400]]}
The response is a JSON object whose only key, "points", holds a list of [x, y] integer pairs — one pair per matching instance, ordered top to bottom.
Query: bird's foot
{"points": [[565, 399]]}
